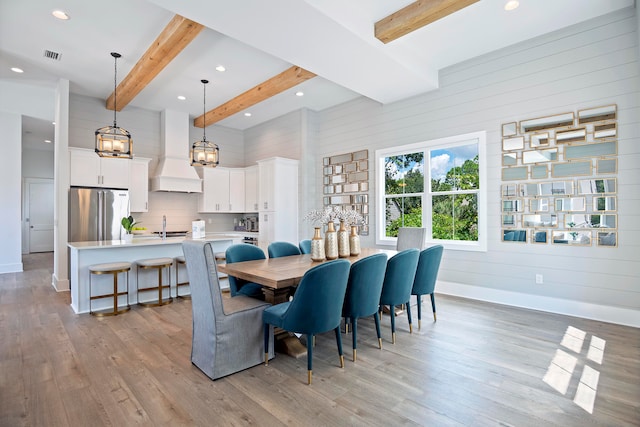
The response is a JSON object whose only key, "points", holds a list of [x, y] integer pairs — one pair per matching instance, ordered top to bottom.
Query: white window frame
{"points": [[435, 144]]}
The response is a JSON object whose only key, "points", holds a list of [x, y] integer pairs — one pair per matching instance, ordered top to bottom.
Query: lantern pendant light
{"points": [[112, 141], [205, 153]]}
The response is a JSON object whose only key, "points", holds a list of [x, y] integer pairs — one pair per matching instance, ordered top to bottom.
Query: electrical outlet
{"points": [[209, 220], [539, 280]]}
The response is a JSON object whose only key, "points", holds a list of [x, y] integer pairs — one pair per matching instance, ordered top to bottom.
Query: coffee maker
{"points": [[251, 223]]}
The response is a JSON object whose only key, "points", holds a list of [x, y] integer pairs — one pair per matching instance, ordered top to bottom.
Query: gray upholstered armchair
{"points": [[227, 332]]}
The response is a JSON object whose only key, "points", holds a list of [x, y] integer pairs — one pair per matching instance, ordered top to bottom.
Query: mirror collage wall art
{"points": [[559, 178], [346, 184]]}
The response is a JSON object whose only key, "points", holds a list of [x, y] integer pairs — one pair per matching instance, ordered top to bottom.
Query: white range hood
{"points": [[174, 171]]}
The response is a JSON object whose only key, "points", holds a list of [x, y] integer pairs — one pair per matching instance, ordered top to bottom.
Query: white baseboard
{"points": [[11, 268], [60, 285], [604, 313]]}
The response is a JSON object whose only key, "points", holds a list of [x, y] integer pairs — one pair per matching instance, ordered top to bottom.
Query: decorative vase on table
{"points": [[127, 237], [343, 241], [354, 241], [331, 242], [317, 246]]}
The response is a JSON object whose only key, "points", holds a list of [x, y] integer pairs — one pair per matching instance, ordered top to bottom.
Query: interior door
{"points": [[40, 217]]}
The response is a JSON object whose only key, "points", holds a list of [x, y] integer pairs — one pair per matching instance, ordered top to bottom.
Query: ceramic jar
{"points": [[343, 241], [354, 241], [331, 242], [317, 246]]}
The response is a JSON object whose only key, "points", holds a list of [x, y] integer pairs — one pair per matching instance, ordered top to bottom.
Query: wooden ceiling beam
{"points": [[416, 15], [178, 33], [275, 85]]}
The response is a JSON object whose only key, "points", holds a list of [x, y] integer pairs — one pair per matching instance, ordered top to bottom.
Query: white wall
{"points": [[588, 65], [17, 100], [37, 164]]}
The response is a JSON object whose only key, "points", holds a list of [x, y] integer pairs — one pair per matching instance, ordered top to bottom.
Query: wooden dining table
{"points": [[278, 275]]}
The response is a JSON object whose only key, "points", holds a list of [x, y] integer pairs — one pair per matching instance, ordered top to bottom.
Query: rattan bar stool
{"points": [[181, 261], [158, 264], [114, 268]]}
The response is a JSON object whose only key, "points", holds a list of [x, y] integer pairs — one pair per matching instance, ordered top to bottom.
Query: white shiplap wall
{"points": [[591, 64]]}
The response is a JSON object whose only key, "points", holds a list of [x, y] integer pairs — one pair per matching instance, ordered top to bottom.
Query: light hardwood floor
{"points": [[479, 365]]}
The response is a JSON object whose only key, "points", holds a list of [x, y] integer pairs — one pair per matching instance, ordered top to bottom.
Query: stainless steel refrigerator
{"points": [[95, 213]]}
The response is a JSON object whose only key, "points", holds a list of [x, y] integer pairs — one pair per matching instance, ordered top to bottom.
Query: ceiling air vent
{"points": [[52, 55]]}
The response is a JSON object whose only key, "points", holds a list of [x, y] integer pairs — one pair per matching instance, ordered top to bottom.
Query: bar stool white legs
{"points": [[158, 264], [115, 269]]}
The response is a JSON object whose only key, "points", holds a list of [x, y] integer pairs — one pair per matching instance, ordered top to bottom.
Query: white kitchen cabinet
{"points": [[87, 169], [139, 184], [251, 189], [222, 190], [236, 190], [278, 196]]}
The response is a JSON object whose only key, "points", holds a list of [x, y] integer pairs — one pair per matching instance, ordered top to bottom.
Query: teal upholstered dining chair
{"points": [[305, 246], [280, 249], [239, 253], [425, 280], [398, 281], [363, 293], [315, 308]]}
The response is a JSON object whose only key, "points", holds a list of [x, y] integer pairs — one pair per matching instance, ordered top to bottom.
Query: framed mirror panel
{"points": [[598, 114], [550, 122], [509, 129], [607, 130], [571, 135], [539, 140], [509, 144], [590, 150], [540, 156], [509, 159], [606, 166], [563, 170], [539, 172], [515, 173], [597, 186], [556, 188], [509, 190], [570, 204], [604, 204], [514, 205], [539, 205], [508, 220], [539, 220], [591, 221], [514, 236], [539, 236], [571, 237], [607, 238]]}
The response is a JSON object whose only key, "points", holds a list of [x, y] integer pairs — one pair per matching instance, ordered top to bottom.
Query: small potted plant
{"points": [[127, 223], [573, 234]]}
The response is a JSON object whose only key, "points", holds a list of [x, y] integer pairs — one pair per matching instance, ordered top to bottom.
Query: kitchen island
{"points": [[84, 254]]}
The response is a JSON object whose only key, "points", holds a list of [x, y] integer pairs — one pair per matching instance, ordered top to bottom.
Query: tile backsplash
{"points": [[180, 209]]}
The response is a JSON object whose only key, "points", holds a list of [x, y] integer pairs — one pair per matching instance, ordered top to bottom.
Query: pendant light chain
{"points": [[115, 86], [204, 110]]}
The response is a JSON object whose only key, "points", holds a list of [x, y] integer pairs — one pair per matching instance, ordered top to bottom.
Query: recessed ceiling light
{"points": [[511, 4], [60, 14], [220, 68], [17, 70], [299, 93], [182, 98], [247, 114], [53, 123], [48, 141]]}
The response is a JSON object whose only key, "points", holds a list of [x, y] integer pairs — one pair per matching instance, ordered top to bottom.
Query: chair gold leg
{"points": [[434, 316], [419, 324], [410, 328], [393, 338], [380, 343], [354, 355], [266, 359], [341, 361], [309, 376]]}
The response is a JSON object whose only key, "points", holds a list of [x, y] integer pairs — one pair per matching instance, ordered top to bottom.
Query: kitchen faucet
{"points": [[164, 227]]}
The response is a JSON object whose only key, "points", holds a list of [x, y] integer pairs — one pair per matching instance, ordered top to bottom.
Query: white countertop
{"points": [[151, 240]]}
